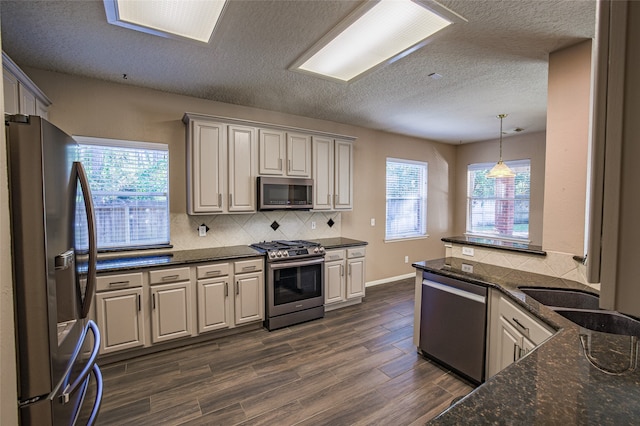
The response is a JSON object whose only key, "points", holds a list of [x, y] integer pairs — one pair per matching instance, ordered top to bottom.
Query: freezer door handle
{"points": [[93, 245], [71, 388]]}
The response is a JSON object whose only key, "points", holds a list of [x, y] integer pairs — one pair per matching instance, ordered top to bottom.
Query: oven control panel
{"points": [[298, 252]]}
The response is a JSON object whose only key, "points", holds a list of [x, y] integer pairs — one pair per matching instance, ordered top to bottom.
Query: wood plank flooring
{"points": [[356, 366]]}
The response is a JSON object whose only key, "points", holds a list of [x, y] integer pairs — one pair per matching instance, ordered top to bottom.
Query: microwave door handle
{"points": [[93, 248], [69, 389]]}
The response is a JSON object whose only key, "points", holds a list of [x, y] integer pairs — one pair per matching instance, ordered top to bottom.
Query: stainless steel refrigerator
{"points": [[54, 258]]}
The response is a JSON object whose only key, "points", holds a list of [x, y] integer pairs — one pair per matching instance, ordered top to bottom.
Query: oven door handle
{"points": [[301, 262]]}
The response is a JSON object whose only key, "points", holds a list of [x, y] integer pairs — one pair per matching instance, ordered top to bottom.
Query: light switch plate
{"points": [[373, 221], [313, 225], [202, 230], [467, 251]]}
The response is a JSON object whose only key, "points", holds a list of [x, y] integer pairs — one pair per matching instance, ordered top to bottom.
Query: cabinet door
{"points": [[11, 95], [27, 101], [271, 152], [298, 155], [207, 158], [242, 162], [322, 173], [343, 192], [355, 277], [334, 282], [249, 298], [213, 304], [171, 311], [119, 317], [509, 346]]}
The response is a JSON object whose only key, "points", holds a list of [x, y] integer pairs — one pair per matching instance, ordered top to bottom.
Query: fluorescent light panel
{"points": [[181, 19], [388, 30]]}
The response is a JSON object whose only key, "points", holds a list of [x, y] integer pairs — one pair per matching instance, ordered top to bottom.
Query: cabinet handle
{"points": [[280, 164], [289, 165], [328, 199], [335, 199], [219, 200], [248, 268], [349, 269], [342, 270], [216, 272], [170, 277], [118, 284], [237, 288], [226, 289], [153, 299], [139, 304], [520, 325], [515, 352]]}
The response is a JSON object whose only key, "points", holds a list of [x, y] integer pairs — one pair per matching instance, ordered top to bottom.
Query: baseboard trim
{"points": [[390, 279]]}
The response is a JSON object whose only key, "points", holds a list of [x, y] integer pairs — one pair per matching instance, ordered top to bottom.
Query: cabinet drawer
{"points": [[355, 252], [332, 255], [252, 265], [211, 271], [168, 275], [116, 282], [523, 322]]}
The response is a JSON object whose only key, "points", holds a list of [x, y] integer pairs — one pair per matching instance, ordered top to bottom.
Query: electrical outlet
{"points": [[373, 221], [313, 225], [202, 230], [468, 251], [406, 259], [467, 268]]}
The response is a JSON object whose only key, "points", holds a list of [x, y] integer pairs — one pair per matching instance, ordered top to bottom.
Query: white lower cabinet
{"points": [[344, 277], [249, 291], [170, 304], [214, 306], [120, 312], [512, 333]]}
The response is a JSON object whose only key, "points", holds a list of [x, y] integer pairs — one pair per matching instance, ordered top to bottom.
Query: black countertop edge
{"points": [[496, 244], [131, 262], [554, 383]]}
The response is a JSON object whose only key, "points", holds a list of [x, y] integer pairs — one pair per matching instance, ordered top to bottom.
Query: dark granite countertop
{"points": [[496, 244], [130, 262], [554, 383]]}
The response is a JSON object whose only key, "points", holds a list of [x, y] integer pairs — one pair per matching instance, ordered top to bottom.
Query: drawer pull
{"points": [[357, 253], [248, 268], [216, 272], [170, 277], [119, 284], [237, 288], [226, 289], [153, 299], [139, 304], [520, 325], [515, 352]]}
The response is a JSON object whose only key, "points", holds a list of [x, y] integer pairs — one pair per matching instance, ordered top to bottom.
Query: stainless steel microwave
{"points": [[277, 193]]}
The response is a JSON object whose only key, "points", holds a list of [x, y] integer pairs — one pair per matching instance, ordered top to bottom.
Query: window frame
{"points": [[138, 145], [513, 164], [424, 195]]}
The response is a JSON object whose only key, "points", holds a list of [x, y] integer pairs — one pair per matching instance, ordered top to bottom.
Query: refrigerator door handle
{"points": [[93, 246], [97, 374], [71, 388]]}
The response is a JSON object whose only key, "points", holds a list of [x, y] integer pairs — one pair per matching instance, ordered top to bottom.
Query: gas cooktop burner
{"points": [[280, 249]]}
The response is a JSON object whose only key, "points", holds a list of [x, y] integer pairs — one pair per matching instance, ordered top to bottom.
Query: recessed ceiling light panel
{"points": [[192, 20], [378, 33]]}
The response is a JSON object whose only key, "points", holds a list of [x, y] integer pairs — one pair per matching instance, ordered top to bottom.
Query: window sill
{"points": [[398, 240], [520, 247]]}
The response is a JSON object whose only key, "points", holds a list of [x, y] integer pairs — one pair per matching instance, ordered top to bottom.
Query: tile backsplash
{"points": [[244, 229], [554, 264]]}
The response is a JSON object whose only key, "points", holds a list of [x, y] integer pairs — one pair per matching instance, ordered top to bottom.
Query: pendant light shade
{"points": [[501, 170]]}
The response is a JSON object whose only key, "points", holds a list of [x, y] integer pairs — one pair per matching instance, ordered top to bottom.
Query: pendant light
{"points": [[501, 170]]}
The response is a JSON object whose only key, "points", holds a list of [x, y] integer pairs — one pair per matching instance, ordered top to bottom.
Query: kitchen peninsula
{"points": [[554, 383]]}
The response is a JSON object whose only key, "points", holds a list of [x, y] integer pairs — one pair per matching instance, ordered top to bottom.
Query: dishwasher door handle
{"points": [[453, 290]]}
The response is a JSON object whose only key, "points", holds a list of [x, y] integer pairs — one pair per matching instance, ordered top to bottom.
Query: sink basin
{"points": [[562, 298], [602, 321]]}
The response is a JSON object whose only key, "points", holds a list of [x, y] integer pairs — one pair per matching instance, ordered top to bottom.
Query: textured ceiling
{"points": [[494, 63]]}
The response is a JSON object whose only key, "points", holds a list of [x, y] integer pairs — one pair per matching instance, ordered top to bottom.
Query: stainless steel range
{"points": [[294, 282]]}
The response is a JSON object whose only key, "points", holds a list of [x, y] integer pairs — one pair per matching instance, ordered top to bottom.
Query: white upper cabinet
{"points": [[21, 95], [284, 153], [206, 167], [322, 173], [242, 176], [343, 183]]}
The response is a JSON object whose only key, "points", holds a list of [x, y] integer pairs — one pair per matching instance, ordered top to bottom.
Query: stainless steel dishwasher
{"points": [[453, 318]]}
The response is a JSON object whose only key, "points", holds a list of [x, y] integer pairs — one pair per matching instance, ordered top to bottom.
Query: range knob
{"points": [[321, 249], [316, 250], [279, 253], [272, 254], [285, 254]]}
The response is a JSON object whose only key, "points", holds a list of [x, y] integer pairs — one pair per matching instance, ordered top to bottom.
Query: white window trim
{"points": [[425, 183]]}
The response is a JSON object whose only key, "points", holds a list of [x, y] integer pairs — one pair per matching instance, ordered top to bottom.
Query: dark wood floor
{"points": [[356, 366]]}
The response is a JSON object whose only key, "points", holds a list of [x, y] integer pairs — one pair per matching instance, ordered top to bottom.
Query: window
{"points": [[129, 184], [406, 199], [499, 207]]}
